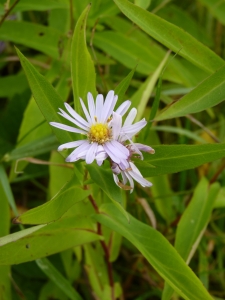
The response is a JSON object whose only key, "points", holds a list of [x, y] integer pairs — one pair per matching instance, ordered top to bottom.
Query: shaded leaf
{"points": [[56, 207], [52, 273]]}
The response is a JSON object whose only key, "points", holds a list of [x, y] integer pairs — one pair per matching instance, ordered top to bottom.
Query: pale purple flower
{"points": [[101, 129], [106, 137], [127, 170]]}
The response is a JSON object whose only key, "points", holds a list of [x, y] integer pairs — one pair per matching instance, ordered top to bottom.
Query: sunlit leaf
{"points": [[172, 37], [82, 66], [207, 94], [176, 158], [193, 223], [41, 240], [157, 250]]}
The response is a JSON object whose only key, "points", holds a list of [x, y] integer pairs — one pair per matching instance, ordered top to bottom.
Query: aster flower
{"points": [[100, 128], [106, 137], [127, 169]]}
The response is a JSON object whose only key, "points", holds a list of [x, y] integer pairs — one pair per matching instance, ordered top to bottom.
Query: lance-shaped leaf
{"points": [[172, 37], [82, 67], [122, 87], [207, 94], [46, 97], [141, 97], [33, 148], [176, 158], [54, 209], [193, 223], [44, 240], [157, 250], [48, 268], [5, 284]]}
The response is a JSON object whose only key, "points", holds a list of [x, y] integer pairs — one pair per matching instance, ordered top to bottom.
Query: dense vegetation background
{"points": [[105, 253]]}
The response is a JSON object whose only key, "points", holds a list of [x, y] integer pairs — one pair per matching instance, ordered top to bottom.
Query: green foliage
{"points": [[82, 68], [67, 228], [156, 250]]}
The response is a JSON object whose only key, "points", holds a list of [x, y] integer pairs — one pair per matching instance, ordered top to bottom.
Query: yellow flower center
{"points": [[100, 133]]}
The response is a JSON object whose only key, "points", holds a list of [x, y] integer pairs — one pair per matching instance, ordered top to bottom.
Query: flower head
{"points": [[99, 128], [106, 137], [127, 169]]}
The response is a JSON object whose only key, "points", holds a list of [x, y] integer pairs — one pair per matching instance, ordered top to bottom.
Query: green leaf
{"points": [[143, 3], [40, 5], [217, 9], [182, 18], [172, 37], [45, 39], [145, 51], [139, 56], [82, 67], [12, 84], [122, 87], [143, 94], [207, 94], [46, 97], [180, 131], [33, 148], [176, 158], [59, 175], [104, 179], [6, 189], [163, 197], [220, 199], [54, 209], [193, 223], [44, 240], [157, 250], [97, 268], [52, 273], [5, 284]]}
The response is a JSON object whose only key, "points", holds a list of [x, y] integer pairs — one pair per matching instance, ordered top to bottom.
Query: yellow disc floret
{"points": [[99, 133]]}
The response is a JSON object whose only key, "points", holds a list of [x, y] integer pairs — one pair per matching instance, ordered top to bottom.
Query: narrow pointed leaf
{"points": [[172, 37], [82, 66], [122, 87], [148, 89], [207, 94], [46, 97], [175, 158], [54, 209], [193, 223], [43, 240], [157, 250], [48, 268], [5, 282]]}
